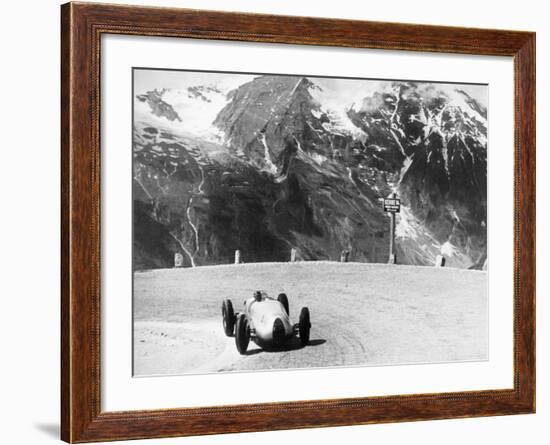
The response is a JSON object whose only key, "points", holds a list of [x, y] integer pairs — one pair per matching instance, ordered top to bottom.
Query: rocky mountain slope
{"points": [[277, 163]]}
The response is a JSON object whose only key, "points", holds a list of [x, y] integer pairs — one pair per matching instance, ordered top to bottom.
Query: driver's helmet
{"points": [[258, 295]]}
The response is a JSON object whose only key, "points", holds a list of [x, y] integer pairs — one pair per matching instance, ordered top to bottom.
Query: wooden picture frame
{"points": [[82, 25]]}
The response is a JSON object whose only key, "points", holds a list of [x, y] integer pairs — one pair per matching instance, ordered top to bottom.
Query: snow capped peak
{"points": [[194, 99], [335, 101], [198, 106], [183, 111]]}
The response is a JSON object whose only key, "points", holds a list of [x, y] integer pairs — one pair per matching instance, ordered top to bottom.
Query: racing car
{"points": [[265, 320]]}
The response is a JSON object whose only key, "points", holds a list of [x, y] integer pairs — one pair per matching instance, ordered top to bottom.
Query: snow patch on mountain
{"points": [[460, 99], [196, 105], [335, 105], [197, 109], [268, 162], [407, 225], [448, 249]]}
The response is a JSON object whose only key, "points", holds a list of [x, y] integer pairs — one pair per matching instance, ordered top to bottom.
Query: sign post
{"points": [[392, 205]]}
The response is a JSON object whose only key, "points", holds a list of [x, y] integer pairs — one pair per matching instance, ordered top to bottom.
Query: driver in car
{"points": [[257, 297]]}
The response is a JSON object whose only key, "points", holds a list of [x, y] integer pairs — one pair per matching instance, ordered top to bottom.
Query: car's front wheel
{"points": [[228, 317], [304, 326], [242, 334]]}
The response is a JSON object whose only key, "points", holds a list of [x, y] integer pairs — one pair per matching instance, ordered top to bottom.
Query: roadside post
{"points": [[392, 205], [292, 255], [237, 256], [344, 256], [178, 260]]}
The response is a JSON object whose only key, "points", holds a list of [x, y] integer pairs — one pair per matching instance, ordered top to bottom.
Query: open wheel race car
{"points": [[265, 320]]}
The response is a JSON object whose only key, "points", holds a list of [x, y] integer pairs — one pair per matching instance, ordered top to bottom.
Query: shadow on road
{"points": [[293, 344]]}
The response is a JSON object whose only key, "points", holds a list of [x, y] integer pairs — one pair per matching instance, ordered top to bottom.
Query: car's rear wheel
{"points": [[283, 299], [228, 317], [304, 326], [242, 334]]}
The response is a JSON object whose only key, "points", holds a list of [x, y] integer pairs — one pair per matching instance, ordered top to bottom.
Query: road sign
{"points": [[392, 205]]}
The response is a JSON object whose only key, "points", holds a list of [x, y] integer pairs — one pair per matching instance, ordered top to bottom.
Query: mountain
{"points": [[158, 106], [437, 141], [283, 162]]}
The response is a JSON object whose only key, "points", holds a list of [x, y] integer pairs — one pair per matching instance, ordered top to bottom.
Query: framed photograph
{"points": [[274, 222]]}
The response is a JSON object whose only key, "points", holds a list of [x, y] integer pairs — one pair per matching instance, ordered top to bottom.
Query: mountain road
{"points": [[361, 314]]}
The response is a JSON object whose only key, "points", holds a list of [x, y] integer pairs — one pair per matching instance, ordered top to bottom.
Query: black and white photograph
{"points": [[299, 221], [265, 222]]}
